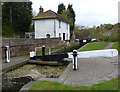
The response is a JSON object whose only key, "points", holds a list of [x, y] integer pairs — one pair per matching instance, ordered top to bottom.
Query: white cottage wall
{"points": [[44, 27], [53, 27], [62, 28]]}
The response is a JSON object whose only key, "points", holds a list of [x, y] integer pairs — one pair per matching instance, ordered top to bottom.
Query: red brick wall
{"points": [[25, 49]]}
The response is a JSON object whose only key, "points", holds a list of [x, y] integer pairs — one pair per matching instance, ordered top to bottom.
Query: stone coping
{"points": [[15, 62]]}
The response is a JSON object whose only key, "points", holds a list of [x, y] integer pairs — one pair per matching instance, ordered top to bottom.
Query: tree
{"points": [[61, 8], [68, 13], [6, 14], [65, 14], [17, 15], [71, 15], [22, 16]]}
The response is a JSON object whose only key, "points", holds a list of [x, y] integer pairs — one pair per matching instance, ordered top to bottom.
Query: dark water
{"points": [[14, 84]]}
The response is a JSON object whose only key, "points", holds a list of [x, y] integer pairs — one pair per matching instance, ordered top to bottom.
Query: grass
{"points": [[8, 31], [72, 43], [95, 46], [116, 46], [59, 47], [70, 47], [54, 49], [47, 50], [25, 56], [51, 85]]}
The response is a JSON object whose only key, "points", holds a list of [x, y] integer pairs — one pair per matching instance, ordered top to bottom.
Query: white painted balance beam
{"points": [[96, 53]]}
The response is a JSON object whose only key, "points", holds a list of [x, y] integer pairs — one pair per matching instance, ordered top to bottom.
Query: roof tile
{"points": [[50, 15]]}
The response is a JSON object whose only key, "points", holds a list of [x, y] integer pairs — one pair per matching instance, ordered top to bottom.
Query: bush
{"points": [[8, 31], [113, 37], [116, 46]]}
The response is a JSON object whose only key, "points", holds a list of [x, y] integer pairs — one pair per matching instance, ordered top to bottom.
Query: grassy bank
{"points": [[8, 32], [95, 46], [116, 46], [56, 48], [69, 48], [52, 49], [61, 49], [50, 85]]}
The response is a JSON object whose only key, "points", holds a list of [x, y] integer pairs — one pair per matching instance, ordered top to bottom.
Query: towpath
{"points": [[109, 46], [91, 70]]}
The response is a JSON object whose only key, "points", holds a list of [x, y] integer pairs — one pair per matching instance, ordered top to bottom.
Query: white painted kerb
{"points": [[96, 53]]}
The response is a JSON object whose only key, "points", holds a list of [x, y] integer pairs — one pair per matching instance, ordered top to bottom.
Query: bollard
{"points": [[43, 50], [7, 54], [74, 59]]}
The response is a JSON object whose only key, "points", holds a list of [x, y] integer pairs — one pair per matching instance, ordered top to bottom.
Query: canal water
{"points": [[15, 79]]}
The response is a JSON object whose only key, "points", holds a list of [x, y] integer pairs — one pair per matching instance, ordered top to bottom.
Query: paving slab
{"points": [[15, 62], [90, 71]]}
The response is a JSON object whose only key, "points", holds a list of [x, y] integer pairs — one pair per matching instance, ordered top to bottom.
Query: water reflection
{"points": [[14, 84]]}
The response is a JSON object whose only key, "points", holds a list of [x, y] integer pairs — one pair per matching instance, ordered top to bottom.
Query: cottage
{"points": [[51, 25], [107, 33]]}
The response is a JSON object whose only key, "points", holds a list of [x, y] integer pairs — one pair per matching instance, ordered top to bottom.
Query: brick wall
{"points": [[20, 47]]}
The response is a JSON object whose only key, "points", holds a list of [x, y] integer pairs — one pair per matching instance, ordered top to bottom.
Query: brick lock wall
{"points": [[22, 49]]}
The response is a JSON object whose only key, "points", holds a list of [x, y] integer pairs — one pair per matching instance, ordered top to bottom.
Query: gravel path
{"points": [[109, 46]]}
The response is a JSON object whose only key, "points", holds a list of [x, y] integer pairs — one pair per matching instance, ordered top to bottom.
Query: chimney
{"points": [[41, 10]]}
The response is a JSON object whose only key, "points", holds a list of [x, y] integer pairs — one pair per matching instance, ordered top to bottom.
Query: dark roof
{"points": [[50, 15], [107, 32]]}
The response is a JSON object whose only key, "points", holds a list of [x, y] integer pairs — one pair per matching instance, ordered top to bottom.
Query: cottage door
{"points": [[63, 36]]}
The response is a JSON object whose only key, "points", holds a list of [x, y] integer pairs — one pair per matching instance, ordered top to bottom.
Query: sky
{"points": [[88, 12]]}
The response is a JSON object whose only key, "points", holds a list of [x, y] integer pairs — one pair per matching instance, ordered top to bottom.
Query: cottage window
{"points": [[59, 24], [67, 26], [59, 34], [67, 36]]}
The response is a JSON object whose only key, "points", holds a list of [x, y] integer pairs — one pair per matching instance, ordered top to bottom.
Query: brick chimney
{"points": [[41, 10]]}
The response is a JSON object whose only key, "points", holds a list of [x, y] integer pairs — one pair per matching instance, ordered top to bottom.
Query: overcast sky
{"points": [[88, 12]]}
